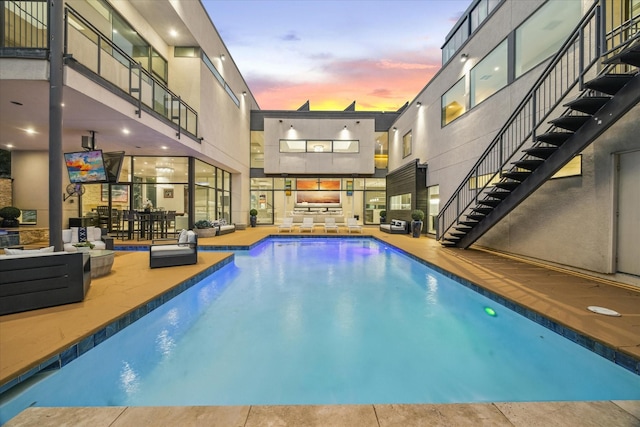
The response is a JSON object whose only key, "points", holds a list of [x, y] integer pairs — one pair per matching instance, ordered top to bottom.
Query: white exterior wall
{"points": [[319, 163], [569, 221]]}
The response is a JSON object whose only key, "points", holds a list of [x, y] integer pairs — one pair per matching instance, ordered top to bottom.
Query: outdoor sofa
{"points": [[395, 226], [172, 252], [38, 279]]}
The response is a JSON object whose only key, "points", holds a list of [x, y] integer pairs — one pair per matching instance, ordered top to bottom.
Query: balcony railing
{"points": [[24, 27]]}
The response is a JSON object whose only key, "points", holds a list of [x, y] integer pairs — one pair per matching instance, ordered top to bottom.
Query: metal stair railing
{"points": [[566, 70]]}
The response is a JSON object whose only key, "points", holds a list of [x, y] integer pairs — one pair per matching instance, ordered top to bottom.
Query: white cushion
{"points": [[74, 235], [66, 236], [191, 237], [182, 238], [169, 250], [8, 251]]}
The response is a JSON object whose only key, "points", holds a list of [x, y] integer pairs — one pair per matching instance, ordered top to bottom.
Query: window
{"points": [[541, 35], [186, 52], [490, 75], [453, 103], [406, 144], [319, 146], [400, 202], [433, 207]]}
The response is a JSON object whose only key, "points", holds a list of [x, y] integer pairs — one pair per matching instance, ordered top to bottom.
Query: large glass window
{"points": [[542, 34], [490, 75], [453, 103], [407, 144], [319, 146], [257, 149], [381, 156], [153, 175], [401, 202], [433, 207]]}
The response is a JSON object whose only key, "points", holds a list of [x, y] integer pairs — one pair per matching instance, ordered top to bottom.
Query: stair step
{"points": [[629, 56], [609, 83], [588, 104], [572, 123], [554, 138], [541, 152], [529, 165], [517, 176], [507, 185], [499, 194], [490, 202], [482, 210], [476, 216], [470, 224], [464, 230], [457, 234], [451, 238], [449, 244]]}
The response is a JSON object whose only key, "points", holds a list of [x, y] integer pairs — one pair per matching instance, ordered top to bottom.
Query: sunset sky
{"points": [[333, 52]]}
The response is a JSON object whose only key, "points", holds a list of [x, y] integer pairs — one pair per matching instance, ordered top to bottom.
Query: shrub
{"points": [[9, 212], [253, 212], [417, 215], [203, 223]]}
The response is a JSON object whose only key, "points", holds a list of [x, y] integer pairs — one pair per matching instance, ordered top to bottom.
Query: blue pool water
{"points": [[327, 321]]}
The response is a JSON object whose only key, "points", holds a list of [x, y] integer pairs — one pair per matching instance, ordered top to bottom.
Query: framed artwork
{"points": [[119, 193], [168, 193], [28, 217]]}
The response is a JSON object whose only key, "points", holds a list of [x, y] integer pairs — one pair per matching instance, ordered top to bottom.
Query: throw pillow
{"points": [[74, 234], [82, 234], [191, 237], [182, 238], [8, 251]]}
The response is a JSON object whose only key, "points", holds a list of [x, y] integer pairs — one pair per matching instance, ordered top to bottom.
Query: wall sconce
{"points": [[222, 56], [464, 57], [244, 93], [418, 104], [280, 121], [357, 122], [291, 126], [345, 126], [395, 128]]}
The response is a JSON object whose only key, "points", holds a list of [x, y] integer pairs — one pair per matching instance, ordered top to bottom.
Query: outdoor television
{"points": [[113, 164], [86, 166]]}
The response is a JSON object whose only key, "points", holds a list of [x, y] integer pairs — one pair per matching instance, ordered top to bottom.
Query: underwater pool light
{"points": [[490, 311]]}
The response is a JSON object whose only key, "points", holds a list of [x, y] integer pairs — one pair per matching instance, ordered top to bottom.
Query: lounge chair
{"points": [[287, 224], [307, 224], [330, 225], [352, 225]]}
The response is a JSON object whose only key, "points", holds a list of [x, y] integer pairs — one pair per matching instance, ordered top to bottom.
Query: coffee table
{"points": [[101, 262]]}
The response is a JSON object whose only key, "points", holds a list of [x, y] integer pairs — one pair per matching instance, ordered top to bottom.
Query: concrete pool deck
{"points": [[29, 339]]}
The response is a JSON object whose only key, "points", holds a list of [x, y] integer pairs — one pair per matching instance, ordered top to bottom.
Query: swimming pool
{"points": [[323, 321]]}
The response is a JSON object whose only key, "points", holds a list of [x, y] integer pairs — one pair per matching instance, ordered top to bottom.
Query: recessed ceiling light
{"points": [[173, 33], [30, 131], [126, 131], [9, 145], [164, 147]]}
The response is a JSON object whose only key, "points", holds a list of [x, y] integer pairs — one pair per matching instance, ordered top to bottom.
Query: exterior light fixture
{"points": [[222, 56], [464, 57], [244, 93], [418, 104], [291, 126], [345, 126], [395, 128]]}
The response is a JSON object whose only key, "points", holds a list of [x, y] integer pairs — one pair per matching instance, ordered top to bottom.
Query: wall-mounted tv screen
{"points": [[113, 164], [86, 166]]}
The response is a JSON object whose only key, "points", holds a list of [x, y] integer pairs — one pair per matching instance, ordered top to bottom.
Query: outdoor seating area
{"points": [[396, 226], [74, 238], [173, 252]]}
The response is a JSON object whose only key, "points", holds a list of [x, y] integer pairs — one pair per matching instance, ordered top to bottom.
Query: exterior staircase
{"points": [[512, 168]]}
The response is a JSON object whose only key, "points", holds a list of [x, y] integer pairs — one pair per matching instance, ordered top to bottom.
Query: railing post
{"points": [[601, 26], [581, 60], [534, 115], [174, 117]]}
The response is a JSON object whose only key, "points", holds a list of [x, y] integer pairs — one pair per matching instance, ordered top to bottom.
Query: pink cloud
{"points": [[384, 85]]}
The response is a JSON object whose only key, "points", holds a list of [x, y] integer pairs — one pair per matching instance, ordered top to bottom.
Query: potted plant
{"points": [[10, 216], [253, 217], [383, 217], [416, 225], [204, 228], [84, 246]]}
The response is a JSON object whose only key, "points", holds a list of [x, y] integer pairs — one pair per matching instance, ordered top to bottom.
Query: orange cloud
{"points": [[378, 85]]}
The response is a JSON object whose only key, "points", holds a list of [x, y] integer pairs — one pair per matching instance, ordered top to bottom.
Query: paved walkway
{"points": [[28, 339]]}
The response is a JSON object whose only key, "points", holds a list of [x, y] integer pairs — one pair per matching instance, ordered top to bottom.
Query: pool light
{"points": [[490, 311]]}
